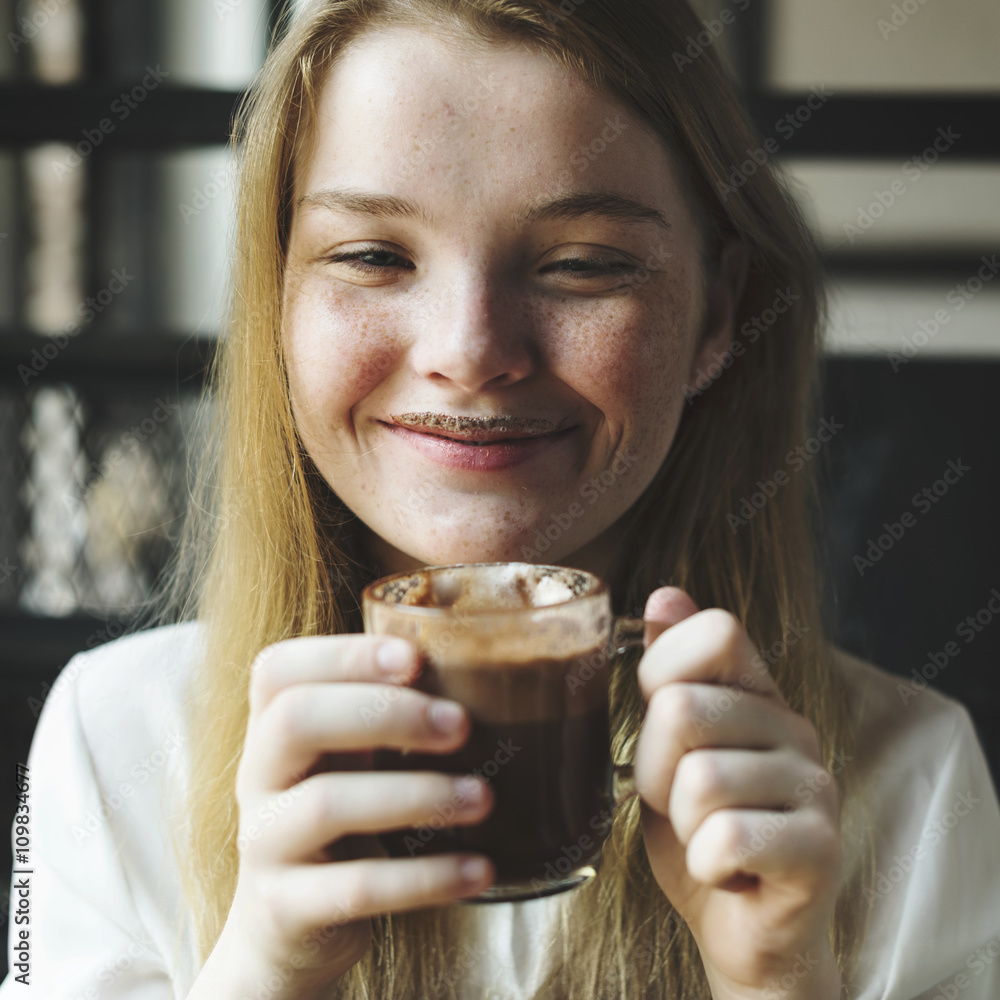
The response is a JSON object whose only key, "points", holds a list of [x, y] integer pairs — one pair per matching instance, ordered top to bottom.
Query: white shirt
{"points": [[107, 763]]}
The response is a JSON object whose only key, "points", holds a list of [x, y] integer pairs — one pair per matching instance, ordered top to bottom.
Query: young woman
{"points": [[498, 297]]}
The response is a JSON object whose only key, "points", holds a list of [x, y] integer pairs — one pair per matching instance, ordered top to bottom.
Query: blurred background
{"points": [[115, 213]]}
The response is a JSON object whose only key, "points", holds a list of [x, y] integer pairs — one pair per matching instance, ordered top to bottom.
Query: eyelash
{"points": [[353, 258], [597, 265]]}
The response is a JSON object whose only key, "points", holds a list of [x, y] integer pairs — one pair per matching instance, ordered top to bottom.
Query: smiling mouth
{"points": [[475, 431]]}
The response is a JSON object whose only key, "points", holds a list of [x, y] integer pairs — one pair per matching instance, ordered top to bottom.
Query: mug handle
{"points": [[626, 634]]}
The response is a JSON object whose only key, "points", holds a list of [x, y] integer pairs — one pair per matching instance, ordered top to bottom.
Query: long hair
{"points": [[269, 552]]}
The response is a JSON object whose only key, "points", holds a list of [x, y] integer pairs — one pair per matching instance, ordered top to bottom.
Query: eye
{"points": [[370, 260], [591, 267], [600, 272]]}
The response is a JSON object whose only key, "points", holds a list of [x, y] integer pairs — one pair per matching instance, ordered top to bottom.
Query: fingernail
{"points": [[394, 656], [446, 716], [470, 791], [474, 870]]}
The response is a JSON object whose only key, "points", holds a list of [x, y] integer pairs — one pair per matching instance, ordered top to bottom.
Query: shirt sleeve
{"points": [[934, 932], [84, 939]]}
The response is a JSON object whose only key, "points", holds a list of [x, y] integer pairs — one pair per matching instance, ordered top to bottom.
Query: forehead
{"points": [[481, 127]]}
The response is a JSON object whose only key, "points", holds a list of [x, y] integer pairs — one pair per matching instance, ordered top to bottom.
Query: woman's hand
{"points": [[749, 859], [298, 915]]}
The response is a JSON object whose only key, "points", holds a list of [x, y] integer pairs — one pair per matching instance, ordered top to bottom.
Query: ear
{"points": [[723, 296]]}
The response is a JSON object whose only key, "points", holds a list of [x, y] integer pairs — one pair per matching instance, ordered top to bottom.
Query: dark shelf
{"points": [[166, 118], [873, 126], [843, 127], [907, 263], [94, 357], [41, 646]]}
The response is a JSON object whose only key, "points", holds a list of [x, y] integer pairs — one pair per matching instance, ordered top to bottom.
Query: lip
{"points": [[475, 428], [454, 448]]}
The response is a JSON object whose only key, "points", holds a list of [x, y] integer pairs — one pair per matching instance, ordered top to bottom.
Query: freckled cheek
{"points": [[337, 355], [632, 372]]}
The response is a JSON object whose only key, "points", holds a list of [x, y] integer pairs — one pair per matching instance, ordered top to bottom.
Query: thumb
{"points": [[666, 606]]}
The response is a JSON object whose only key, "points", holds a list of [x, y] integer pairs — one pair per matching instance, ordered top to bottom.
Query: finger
{"points": [[665, 607], [711, 647], [308, 659], [682, 717], [306, 720], [708, 780], [300, 822], [802, 846], [343, 891]]}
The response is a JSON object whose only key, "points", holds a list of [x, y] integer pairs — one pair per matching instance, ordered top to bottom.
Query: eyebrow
{"points": [[604, 204]]}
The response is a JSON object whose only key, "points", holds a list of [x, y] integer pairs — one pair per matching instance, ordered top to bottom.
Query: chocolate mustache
{"points": [[446, 422]]}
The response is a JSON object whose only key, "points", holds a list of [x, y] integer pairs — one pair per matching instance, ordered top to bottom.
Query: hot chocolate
{"points": [[526, 650], [540, 737]]}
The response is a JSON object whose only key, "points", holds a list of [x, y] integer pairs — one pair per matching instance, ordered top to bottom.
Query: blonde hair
{"points": [[269, 552]]}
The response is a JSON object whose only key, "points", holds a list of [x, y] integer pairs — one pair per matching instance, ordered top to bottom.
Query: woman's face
{"points": [[493, 302]]}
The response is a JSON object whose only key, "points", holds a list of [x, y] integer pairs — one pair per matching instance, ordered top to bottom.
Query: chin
{"points": [[489, 535], [535, 547], [488, 552]]}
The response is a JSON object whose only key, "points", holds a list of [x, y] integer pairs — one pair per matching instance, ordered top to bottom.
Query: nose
{"points": [[468, 335]]}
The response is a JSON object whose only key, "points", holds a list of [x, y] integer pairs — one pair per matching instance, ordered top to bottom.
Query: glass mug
{"points": [[527, 650]]}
